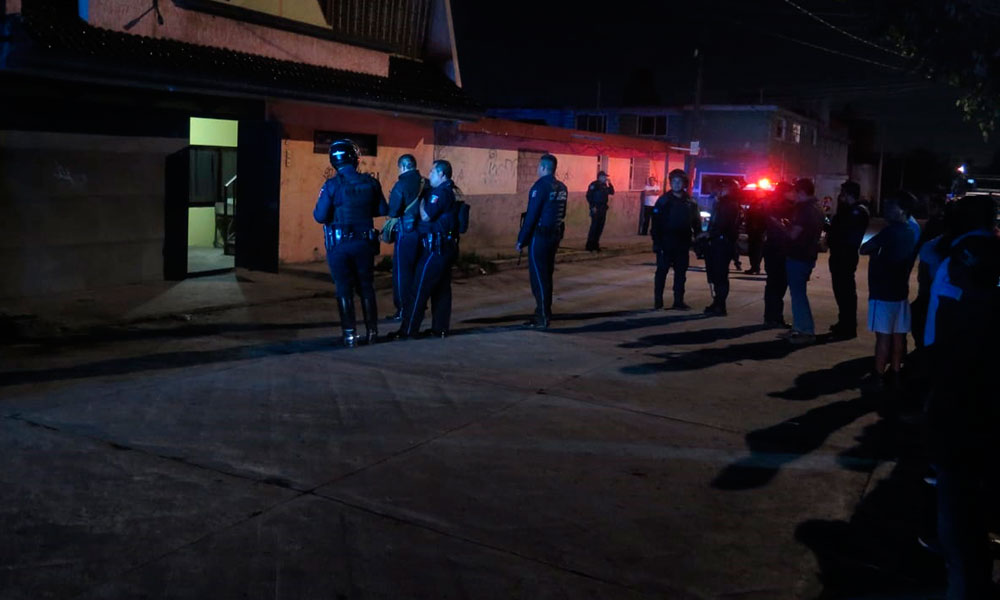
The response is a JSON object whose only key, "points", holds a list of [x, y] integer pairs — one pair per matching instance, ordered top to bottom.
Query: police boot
{"points": [[679, 303], [370, 311], [348, 322]]}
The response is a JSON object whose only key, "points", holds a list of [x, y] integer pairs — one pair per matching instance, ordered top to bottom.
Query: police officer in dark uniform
{"points": [[597, 197], [347, 204], [403, 204], [779, 207], [675, 221], [756, 221], [437, 229], [723, 230], [542, 231], [845, 233]]}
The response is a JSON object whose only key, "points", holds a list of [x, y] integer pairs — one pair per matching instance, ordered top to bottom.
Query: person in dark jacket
{"points": [[598, 195], [347, 204], [403, 204], [778, 212], [756, 220], [675, 221], [541, 233], [802, 233], [845, 233], [722, 234], [891, 253], [963, 416]]}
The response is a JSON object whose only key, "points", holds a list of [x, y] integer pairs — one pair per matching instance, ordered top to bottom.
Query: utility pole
{"points": [[695, 120], [881, 155]]}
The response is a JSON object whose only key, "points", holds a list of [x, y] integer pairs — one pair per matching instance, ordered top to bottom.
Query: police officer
{"points": [[597, 197], [403, 204], [346, 206], [779, 209], [756, 221], [675, 222], [437, 230], [723, 230], [542, 231], [845, 233]]}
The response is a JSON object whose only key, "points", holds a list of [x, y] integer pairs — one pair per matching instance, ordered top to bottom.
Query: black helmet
{"points": [[344, 152], [678, 173]]}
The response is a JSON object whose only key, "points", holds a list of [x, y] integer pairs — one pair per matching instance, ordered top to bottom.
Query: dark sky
{"points": [[557, 53]]}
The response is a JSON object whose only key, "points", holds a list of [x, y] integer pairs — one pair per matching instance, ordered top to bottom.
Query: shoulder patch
{"points": [[534, 193], [434, 198]]}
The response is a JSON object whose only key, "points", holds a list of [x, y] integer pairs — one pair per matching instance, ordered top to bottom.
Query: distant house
{"points": [[748, 141]]}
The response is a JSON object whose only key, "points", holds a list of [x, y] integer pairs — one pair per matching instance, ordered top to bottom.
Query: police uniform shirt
{"points": [[598, 193], [350, 198], [546, 207], [436, 210], [675, 216], [725, 219], [847, 228]]}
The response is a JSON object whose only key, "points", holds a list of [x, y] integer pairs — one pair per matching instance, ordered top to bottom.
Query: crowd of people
{"points": [[955, 318]]}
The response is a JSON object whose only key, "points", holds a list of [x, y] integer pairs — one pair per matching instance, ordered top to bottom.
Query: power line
{"points": [[843, 31], [837, 52]]}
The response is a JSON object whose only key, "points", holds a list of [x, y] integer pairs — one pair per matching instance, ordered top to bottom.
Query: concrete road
{"points": [[624, 453]]}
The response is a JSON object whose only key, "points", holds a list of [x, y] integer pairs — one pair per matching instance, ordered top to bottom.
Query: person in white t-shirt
{"points": [[647, 199]]}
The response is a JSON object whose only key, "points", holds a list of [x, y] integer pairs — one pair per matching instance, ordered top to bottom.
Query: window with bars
{"points": [[594, 123], [645, 125], [779, 128], [796, 133]]}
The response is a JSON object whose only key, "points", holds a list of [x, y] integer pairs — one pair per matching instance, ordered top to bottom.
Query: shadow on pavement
{"points": [[556, 317], [629, 324], [129, 334], [700, 336], [704, 358], [167, 360], [815, 384], [776, 446], [876, 553]]}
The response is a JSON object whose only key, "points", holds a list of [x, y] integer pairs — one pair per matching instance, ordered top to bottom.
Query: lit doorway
{"points": [[212, 202]]}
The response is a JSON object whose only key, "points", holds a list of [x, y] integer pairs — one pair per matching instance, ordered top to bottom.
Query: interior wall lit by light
{"points": [[213, 132]]}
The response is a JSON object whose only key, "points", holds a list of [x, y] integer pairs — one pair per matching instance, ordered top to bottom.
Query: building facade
{"points": [[142, 141], [748, 141]]}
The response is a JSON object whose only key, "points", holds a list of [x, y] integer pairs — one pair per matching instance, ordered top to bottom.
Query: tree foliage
{"points": [[955, 41]]}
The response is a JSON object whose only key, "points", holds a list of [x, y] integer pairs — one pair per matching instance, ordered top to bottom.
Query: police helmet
{"points": [[344, 152], [678, 173]]}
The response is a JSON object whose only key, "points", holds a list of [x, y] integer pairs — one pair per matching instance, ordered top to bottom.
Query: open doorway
{"points": [[202, 198], [212, 201]]}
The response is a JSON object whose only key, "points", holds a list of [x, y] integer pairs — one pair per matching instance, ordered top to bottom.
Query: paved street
{"points": [[625, 453]]}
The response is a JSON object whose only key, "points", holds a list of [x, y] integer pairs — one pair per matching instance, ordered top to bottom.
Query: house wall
{"points": [[494, 164], [74, 216]]}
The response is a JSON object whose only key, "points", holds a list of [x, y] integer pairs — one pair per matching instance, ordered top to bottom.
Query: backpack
{"points": [[461, 216]]}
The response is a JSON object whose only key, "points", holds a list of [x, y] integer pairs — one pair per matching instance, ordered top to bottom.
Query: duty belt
{"points": [[550, 229], [338, 234], [435, 241]]}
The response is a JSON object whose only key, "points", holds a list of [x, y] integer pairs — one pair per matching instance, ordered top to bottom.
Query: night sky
{"points": [[553, 53]]}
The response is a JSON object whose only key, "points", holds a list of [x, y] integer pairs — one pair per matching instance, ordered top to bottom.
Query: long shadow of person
{"points": [[581, 316], [626, 324], [699, 336], [704, 358], [823, 382], [774, 447], [876, 551]]}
